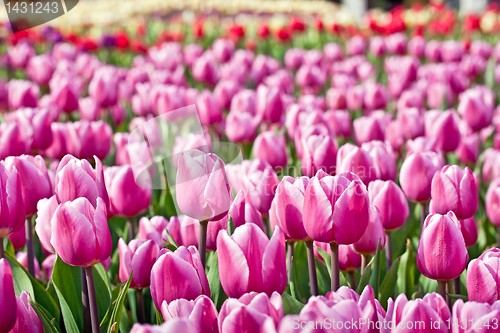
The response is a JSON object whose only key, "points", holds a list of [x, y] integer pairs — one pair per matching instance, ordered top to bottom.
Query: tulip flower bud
{"points": [[396, 43], [356, 45], [377, 46], [416, 46], [223, 49], [433, 50], [20, 54], [40, 68], [205, 69], [103, 87], [224, 92], [23, 93], [64, 94], [375, 96], [244, 102], [269, 104], [476, 107], [208, 108], [339, 122], [241, 127], [443, 127], [369, 128], [86, 139], [271, 147], [468, 149], [319, 153], [351, 158], [205, 173], [416, 175], [76, 178], [454, 189], [128, 196], [332, 203], [391, 203], [12, 209], [242, 212], [154, 229], [469, 231], [80, 232], [374, 233], [442, 254], [138, 258], [349, 260], [249, 261], [178, 274], [483, 278], [7, 297], [201, 312], [27, 320]]}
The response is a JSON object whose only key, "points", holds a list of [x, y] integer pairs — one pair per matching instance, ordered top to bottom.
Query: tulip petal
{"points": [[317, 213], [274, 264], [233, 266]]}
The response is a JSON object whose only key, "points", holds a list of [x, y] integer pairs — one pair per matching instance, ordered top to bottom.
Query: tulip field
{"points": [[278, 173]]}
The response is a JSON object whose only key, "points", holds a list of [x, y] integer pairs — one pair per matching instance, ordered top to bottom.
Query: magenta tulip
{"points": [[356, 45], [416, 46], [223, 49], [20, 54], [40, 68], [205, 69], [103, 87], [224, 92], [23, 93], [64, 94], [244, 102], [269, 104], [476, 107], [208, 108], [339, 122], [241, 127], [443, 127], [369, 128], [85, 139], [12, 140], [271, 147], [319, 153], [351, 158], [416, 175], [76, 178], [454, 189], [390, 201], [492, 202], [12, 210], [242, 212], [43, 227], [154, 229], [469, 231], [80, 232], [374, 234], [442, 254], [137, 258], [349, 260], [249, 261], [178, 274], [483, 277], [8, 298], [201, 312], [416, 312], [475, 317], [27, 320], [172, 326]]}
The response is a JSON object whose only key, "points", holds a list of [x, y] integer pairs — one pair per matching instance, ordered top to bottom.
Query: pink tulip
{"points": [[396, 43], [356, 45], [377, 46], [416, 46], [223, 49], [433, 50], [452, 50], [332, 52], [191, 53], [166, 56], [294, 58], [40, 68], [205, 69], [309, 76], [103, 87], [224, 92], [23, 93], [64, 94], [439, 94], [375, 96], [354, 97], [336, 99], [244, 102], [269, 104], [476, 107], [208, 108], [88, 109], [339, 122], [411, 123], [36, 125], [241, 127], [443, 127], [369, 128], [85, 139], [12, 140], [120, 140], [271, 147], [57, 149], [319, 153], [351, 158], [491, 158], [383, 159], [206, 174], [416, 175], [76, 178], [257, 179], [35, 183], [454, 189], [127, 197], [492, 202], [391, 203], [46, 209], [12, 210], [242, 212], [327, 216], [154, 229], [469, 231], [80, 233], [374, 233], [18, 239], [442, 254], [22, 258], [137, 258], [348, 259], [248, 260], [48, 265], [178, 274], [483, 277], [8, 297], [252, 310], [201, 312], [417, 312], [474, 317], [27, 320], [172, 326]]}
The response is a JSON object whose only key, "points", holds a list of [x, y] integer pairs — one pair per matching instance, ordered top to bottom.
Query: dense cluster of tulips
{"points": [[367, 198]]}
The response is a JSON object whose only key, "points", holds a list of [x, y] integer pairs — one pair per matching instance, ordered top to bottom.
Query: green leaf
{"points": [[230, 226], [171, 240], [8, 246], [327, 258], [301, 270], [375, 277], [213, 278], [365, 278], [293, 281], [405, 281], [324, 283], [389, 283], [68, 284], [102, 290], [458, 296], [291, 305], [107, 316], [159, 317], [48, 325], [113, 326]]}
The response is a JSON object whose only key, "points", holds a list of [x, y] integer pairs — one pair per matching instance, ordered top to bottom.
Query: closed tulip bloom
{"points": [[396, 43], [356, 45], [377, 46], [416, 46], [223, 49], [20, 54], [40, 68], [205, 69], [309, 76], [103, 87], [224, 92], [23, 93], [64, 94], [375, 96], [354, 97], [336, 99], [244, 102], [269, 104], [476, 107], [208, 108], [88, 109], [340, 122], [36, 125], [241, 127], [443, 127], [369, 128], [86, 139], [12, 140], [120, 140], [271, 147], [57, 148], [468, 149], [319, 153], [351, 158], [383, 158], [416, 175], [76, 178], [257, 179], [35, 183], [202, 187], [454, 189], [126, 196], [492, 202], [289, 203], [391, 203], [46, 209], [336, 209], [12, 210], [242, 212], [154, 229], [469, 231], [80, 233], [374, 233], [18, 239], [442, 254], [138, 258], [349, 260], [249, 261], [178, 274], [483, 278], [8, 298], [252, 303], [417, 311], [201, 312], [469, 314], [27, 320]]}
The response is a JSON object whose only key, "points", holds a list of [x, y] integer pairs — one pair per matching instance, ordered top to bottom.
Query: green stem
{"points": [[29, 245], [313, 279], [94, 313], [141, 314]]}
